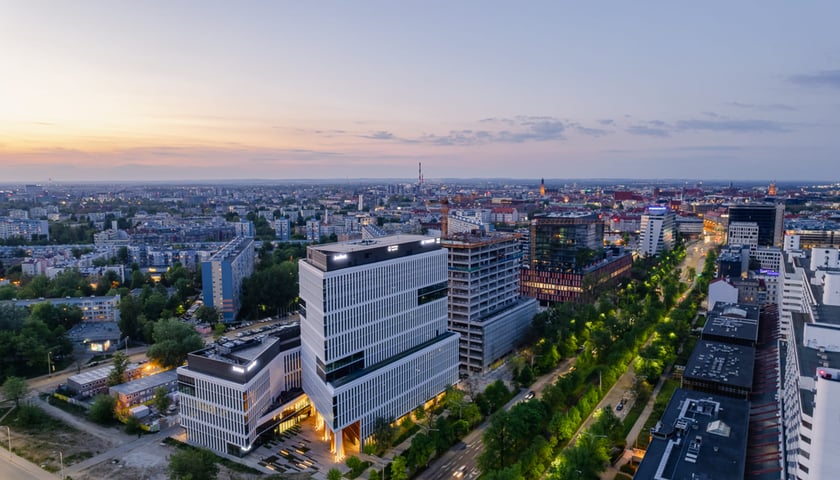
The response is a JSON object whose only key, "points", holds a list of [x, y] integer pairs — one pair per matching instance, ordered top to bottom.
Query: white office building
{"points": [[657, 231], [374, 338], [810, 358], [233, 392]]}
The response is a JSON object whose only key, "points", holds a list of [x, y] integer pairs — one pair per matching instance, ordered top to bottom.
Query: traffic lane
{"points": [[449, 462]]}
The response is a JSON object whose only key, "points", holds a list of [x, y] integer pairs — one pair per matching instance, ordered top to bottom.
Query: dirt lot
{"points": [[40, 438], [147, 463]]}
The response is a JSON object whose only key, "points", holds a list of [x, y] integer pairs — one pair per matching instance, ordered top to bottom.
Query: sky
{"points": [[202, 90]]}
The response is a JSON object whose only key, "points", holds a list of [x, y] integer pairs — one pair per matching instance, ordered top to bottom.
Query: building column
{"points": [[319, 420], [339, 448]]}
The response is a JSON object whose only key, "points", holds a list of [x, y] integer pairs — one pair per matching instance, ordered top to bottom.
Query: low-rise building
{"points": [[251, 386]]}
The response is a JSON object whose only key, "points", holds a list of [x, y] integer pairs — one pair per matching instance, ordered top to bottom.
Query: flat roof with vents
{"points": [[700, 436]]}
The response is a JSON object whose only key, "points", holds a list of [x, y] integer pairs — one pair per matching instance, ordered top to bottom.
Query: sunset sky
{"points": [[202, 90]]}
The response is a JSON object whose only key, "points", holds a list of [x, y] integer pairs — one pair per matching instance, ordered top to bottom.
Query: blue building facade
{"points": [[222, 276]]}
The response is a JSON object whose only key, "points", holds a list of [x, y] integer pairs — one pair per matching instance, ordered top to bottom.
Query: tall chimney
{"points": [[444, 217]]}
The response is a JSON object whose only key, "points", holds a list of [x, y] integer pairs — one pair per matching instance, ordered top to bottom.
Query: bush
{"points": [[102, 409], [31, 417], [193, 464]]}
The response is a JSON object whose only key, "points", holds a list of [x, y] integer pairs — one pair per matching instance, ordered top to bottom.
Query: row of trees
{"points": [[70, 283], [525, 441]]}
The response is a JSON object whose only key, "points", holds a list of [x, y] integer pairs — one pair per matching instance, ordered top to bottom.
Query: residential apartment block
{"points": [[222, 276]]}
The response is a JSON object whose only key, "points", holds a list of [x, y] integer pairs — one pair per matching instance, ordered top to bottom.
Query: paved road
{"points": [[451, 461], [18, 468]]}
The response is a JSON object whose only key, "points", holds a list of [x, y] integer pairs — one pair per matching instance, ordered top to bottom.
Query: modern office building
{"points": [[767, 216], [657, 231], [567, 257], [222, 276], [485, 305], [375, 343], [809, 359], [233, 392]]}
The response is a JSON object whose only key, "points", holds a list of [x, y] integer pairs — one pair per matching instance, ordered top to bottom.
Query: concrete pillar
{"points": [[319, 420], [339, 448]]}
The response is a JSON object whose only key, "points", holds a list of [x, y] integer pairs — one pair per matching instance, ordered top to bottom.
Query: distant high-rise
{"points": [[542, 187], [769, 218], [658, 230], [375, 343]]}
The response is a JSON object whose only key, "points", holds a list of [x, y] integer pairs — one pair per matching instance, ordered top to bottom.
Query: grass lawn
{"points": [[658, 409]]}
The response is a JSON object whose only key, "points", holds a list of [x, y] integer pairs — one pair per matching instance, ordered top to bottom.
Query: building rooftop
{"points": [[567, 215], [370, 244], [232, 249], [335, 256], [732, 320], [240, 360], [722, 363], [145, 383], [700, 436]]}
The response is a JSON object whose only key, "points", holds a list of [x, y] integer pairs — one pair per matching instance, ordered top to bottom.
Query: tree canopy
{"points": [[173, 341]]}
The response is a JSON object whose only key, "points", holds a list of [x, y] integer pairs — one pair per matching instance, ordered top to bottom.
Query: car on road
{"points": [[530, 395], [620, 405], [460, 472]]}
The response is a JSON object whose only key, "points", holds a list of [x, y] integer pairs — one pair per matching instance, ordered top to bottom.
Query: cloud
{"points": [[825, 78], [770, 107], [606, 121], [733, 126], [521, 129], [651, 130], [592, 132], [380, 135], [460, 137], [710, 148]]}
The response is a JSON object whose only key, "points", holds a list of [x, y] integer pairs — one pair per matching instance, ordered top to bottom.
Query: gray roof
{"points": [[360, 245], [723, 363], [145, 383], [700, 436]]}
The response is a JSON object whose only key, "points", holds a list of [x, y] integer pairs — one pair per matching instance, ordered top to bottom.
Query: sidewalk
{"points": [[611, 470]]}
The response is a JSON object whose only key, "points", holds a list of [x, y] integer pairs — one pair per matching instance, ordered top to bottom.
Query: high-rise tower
{"points": [[375, 343]]}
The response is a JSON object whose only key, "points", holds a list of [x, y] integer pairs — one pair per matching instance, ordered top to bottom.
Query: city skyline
{"points": [[105, 91]]}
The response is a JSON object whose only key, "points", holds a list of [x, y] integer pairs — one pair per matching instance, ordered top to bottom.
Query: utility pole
{"points": [[9, 433]]}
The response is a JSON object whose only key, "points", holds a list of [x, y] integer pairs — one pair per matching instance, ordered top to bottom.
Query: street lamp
{"points": [[49, 364]]}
